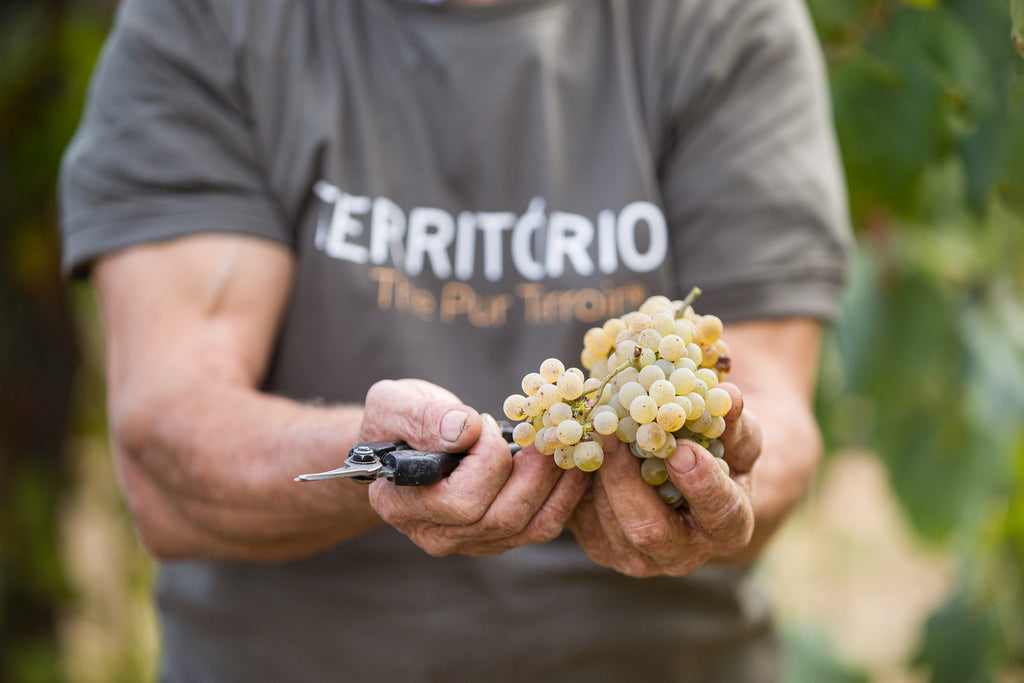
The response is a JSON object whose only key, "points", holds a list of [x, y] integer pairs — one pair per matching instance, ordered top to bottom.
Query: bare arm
{"points": [[776, 364], [207, 461]]}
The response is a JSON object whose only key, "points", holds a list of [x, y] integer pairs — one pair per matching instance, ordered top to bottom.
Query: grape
{"points": [[664, 323], [709, 329], [649, 339], [596, 341], [672, 347], [694, 353], [551, 369], [649, 375], [709, 377], [653, 378], [683, 380], [532, 382], [570, 386], [662, 391], [629, 392], [548, 395], [696, 402], [718, 402], [513, 407], [643, 409], [558, 413], [671, 416], [605, 422], [698, 424], [627, 429], [716, 429], [569, 431], [524, 434], [650, 436], [588, 455], [564, 457], [654, 472], [669, 493]]}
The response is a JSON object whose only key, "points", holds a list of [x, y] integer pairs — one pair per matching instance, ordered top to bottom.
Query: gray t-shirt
{"points": [[466, 190]]}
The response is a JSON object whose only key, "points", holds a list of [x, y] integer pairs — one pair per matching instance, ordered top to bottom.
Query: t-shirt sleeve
{"points": [[165, 147], [752, 180]]}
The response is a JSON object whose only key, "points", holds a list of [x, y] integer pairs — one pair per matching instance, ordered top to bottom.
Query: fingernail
{"points": [[452, 424], [683, 460]]}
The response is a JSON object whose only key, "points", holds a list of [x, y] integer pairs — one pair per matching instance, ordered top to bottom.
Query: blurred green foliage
{"points": [[47, 49], [928, 362], [929, 374]]}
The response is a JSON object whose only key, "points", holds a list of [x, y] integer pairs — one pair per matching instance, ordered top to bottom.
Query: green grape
{"points": [[663, 322], [709, 329], [649, 339], [596, 341], [672, 347], [551, 369], [649, 375], [709, 376], [653, 379], [683, 380], [532, 382], [662, 391], [629, 392], [548, 395], [718, 402], [697, 403], [513, 407], [643, 409], [558, 412], [671, 416], [605, 422], [698, 424], [716, 429], [569, 432], [626, 432], [650, 436], [588, 455], [564, 457], [654, 472], [669, 493]]}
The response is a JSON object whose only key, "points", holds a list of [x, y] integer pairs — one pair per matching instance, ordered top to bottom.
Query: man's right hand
{"points": [[491, 502]]}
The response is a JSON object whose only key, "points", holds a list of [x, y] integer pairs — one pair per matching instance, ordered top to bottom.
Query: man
{"points": [[291, 210]]}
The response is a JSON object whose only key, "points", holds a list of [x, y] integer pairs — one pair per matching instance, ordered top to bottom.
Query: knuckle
{"points": [[647, 536]]}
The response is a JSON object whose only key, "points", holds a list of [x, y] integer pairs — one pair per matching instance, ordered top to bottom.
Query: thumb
{"points": [[422, 414]]}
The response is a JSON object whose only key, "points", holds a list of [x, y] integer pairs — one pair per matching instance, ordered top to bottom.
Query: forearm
{"points": [[775, 366], [790, 455], [208, 472]]}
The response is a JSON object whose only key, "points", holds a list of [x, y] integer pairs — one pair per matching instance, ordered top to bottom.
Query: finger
{"points": [[422, 414], [742, 436], [466, 495], [537, 499], [718, 506], [640, 516], [585, 525]]}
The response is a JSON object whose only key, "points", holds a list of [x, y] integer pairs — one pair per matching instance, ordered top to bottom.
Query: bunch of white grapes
{"points": [[652, 380]]}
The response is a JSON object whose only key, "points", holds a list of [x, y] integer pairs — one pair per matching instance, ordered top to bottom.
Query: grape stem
{"points": [[688, 301], [608, 378]]}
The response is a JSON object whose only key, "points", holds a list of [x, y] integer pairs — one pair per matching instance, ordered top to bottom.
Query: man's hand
{"points": [[491, 502], [622, 523]]}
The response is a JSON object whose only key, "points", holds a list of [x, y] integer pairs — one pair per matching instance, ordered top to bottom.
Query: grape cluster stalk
{"points": [[652, 379]]}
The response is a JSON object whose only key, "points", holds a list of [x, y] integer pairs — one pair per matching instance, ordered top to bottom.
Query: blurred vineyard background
{"points": [[906, 562]]}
